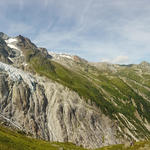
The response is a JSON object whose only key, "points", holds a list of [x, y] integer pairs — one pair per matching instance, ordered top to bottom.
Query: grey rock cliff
{"points": [[51, 111]]}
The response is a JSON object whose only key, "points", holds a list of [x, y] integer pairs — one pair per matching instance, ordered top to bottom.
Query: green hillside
{"points": [[124, 92], [11, 140], [143, 145]]}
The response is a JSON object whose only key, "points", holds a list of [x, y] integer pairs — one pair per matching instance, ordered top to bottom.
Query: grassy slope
{"points": [[84, 87], [11, 140], [143, 145]]}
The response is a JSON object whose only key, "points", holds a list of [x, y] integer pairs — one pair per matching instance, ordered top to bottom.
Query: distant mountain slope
{"points": [[90, 104]]}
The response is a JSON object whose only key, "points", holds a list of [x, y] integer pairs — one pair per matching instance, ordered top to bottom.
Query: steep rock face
{"points": [[3, 36], [25, 43], [4, 52], [50, 111], [73, 118]]}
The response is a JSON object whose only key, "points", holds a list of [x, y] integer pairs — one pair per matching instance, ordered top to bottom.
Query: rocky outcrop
{"points": [[3, 36], [4, 52], [51, 111]]}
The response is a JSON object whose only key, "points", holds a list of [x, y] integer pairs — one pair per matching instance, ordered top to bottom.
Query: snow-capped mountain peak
{"points": [[11, 42], [60, 55]]}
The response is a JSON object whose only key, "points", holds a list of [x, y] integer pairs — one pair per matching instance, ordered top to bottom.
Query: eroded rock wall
{"points": [[51, 111]]}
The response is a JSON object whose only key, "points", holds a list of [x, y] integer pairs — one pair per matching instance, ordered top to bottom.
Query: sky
{"points": [[115, 31]]}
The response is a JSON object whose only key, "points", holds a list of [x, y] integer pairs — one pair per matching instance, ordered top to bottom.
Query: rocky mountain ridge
{"points": [[65, 98]]}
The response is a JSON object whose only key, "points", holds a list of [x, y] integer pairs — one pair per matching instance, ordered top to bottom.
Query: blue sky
{"points": [[117, 31]]}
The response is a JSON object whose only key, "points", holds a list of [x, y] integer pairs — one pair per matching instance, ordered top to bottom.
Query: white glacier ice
{"points": [[17, 74]]}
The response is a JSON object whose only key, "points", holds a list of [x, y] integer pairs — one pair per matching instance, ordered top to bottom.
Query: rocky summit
{"points": [[64, 98]]}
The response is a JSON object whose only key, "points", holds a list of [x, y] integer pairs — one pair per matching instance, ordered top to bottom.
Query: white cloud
{"points": [[117, 60], [120, 60]]}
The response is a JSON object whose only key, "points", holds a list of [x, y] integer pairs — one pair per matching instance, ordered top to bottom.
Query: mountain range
{"points": [[65, 98]]}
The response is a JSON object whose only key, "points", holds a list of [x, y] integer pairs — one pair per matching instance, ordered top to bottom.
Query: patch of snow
{"points": [[11, 40], [13, 46], [60, 55], [66, 56], [10, 59], [17, 74]]}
